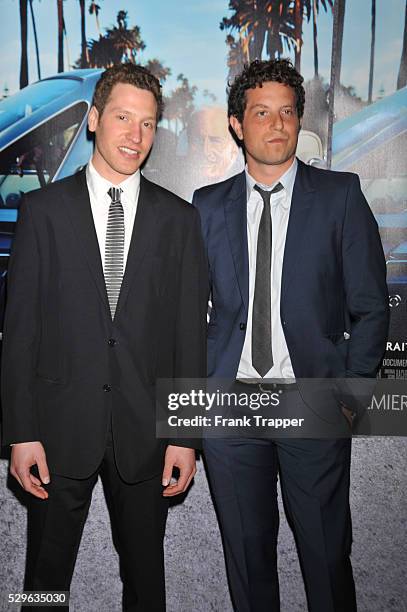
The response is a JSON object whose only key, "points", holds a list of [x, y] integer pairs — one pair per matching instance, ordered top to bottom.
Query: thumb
{"points": [[43, 467], [167, 473]]}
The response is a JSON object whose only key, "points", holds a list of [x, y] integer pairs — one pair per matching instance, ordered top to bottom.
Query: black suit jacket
{"points": [[67, 368]]}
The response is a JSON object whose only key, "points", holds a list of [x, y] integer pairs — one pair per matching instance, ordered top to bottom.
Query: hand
{"points": [[348, 414], [23, 456], [184, 460]]}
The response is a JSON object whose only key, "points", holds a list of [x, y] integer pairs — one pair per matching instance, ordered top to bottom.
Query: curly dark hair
{"points": [[258, 72], [133, 75]]}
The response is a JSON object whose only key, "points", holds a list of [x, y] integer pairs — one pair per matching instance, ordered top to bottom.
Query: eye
{"points": [[287, 112], [262, 113], [122, 117], [148, 124]]}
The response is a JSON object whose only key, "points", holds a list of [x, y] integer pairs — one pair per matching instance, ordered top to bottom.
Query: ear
{"points": [[93, 119], [236, 127]]}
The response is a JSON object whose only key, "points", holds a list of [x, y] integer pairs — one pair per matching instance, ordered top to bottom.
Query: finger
{"points": [[43, 468], [167, 473], [183, 479], [190, 479], [35, 481], [38, 486], [180, 486], [30, 487], [172, 490]]}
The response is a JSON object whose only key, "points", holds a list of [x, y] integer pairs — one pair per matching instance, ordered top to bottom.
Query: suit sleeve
{"points": [[364, 272], [20, 335], [190, 357]]}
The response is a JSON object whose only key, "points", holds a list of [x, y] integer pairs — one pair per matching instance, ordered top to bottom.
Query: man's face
{"points": [[270, 126], [124, 132], [212, 146]]}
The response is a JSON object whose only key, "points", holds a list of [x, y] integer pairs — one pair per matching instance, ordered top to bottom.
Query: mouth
{"points": [[276, 141], [128, 152]]}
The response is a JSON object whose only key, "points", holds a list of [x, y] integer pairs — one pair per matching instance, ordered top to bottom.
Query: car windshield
{"points": [[29, 99], [32, 161]]}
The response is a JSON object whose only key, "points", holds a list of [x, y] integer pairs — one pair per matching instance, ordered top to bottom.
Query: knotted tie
{"points": [[114, 249], [262, 354]]}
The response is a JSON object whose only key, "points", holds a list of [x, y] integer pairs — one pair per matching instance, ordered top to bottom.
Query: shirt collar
{"points": [[287, 180], [100, 186]]}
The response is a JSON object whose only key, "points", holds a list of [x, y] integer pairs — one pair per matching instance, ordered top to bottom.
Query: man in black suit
{"points": [[298, 286], [107, 293]]}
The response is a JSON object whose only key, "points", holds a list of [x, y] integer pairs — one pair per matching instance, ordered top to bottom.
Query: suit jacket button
{"points": [[242, 326], [111, 342], [107, 388]]}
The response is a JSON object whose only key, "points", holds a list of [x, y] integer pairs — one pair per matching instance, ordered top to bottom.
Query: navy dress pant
{"points": [[314, 477]]}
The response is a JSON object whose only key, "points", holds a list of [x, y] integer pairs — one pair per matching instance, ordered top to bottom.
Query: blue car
{"points": [[43, 135], [372, 143], [396, 264]]}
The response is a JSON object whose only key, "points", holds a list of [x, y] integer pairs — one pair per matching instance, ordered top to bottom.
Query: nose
{"points": [[276, 121], [134, 132], [209, 151]]}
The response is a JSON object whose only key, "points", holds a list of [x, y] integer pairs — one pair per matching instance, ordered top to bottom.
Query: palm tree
{"points": [[299, 7], [94, 10], [315, 11], [259, 22], [280, 27], [61, 28], [35, 40], [126, 42], [117, 45], [372, 45], [337, 49], [102, 53], [24, 56], [235, 60], [84, 61], [336, 62], [158, 70], [402, 75], [208, 94], [179, 106]]}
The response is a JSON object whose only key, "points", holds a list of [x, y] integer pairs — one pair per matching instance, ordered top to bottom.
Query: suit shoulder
{"points": [[328, 178], [215, 188], [51, 192], [210, 195], [168, 200]]}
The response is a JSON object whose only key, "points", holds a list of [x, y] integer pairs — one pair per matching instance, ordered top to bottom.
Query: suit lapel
{"points": [[302, 198], [79, 212], [236, 224], [141, 239]]}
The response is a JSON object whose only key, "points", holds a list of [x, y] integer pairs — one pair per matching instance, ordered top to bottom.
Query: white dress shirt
{"points": [[100, 201], [280, 204]]}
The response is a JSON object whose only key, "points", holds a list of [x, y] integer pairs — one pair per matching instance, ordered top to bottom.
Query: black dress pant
{"points": [[314, 478], [138, 515]]}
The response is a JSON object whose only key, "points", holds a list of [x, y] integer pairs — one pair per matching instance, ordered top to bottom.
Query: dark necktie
{"points": [[114, 249], [262, 354]]}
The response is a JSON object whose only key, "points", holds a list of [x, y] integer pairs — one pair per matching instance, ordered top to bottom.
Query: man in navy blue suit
{"points": [[298, 288]]}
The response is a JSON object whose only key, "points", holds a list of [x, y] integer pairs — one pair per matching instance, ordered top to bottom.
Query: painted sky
{"points": [[185, 36]]}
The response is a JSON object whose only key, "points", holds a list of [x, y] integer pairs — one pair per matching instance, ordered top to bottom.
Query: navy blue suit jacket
{"points": [[333, 279]]}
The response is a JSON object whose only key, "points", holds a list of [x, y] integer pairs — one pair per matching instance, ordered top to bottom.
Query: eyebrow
{"points": [[260, 105], [120, 109]]}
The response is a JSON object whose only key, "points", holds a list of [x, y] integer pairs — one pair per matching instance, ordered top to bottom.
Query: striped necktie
{"points": [[114, 249], [262, 353]]}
